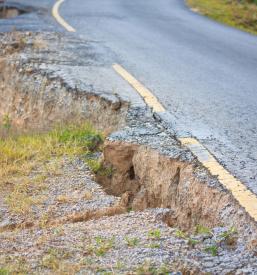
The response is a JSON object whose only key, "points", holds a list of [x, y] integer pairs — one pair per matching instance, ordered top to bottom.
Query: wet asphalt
{"points": [[203, 72]]}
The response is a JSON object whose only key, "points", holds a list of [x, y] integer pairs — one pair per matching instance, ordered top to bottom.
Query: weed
{"points": [[94, 165], [98, 168], [129, 209], [43, 220], [200, 229], [154, 234], [180, 234], [229, 236], [132, 242], [192, 242], [102, 246], [213, 249], [51, 260]]}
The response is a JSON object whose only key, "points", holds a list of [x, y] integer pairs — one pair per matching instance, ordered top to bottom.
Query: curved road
{"points": [[203, 72]]}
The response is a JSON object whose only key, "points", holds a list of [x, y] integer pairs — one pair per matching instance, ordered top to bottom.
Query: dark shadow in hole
{"points": [[12, 9], [131, 173]]}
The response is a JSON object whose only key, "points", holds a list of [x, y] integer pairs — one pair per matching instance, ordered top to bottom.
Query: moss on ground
{"points": [[240, 14]]}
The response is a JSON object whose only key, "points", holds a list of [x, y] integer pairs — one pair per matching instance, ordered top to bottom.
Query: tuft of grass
{"points": [[240, 14], [23, 154], [98, 168], [202, 230], [154, 234], [180, 234], [229, 236], [132, 242], [192, 242], [102, 246], [213, 249], [51, 260]]}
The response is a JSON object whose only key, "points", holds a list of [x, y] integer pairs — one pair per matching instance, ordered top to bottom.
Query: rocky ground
{"points": [[73, 225], [79, 229]]}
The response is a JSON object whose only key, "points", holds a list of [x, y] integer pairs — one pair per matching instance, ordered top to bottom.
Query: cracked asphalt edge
{"points": [[140, 125], [246, 198]]}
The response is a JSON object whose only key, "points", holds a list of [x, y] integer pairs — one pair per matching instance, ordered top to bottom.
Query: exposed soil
{"points": [[143, 217], [80, 229]]}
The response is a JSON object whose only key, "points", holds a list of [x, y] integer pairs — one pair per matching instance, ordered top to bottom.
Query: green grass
{"points": [[239, 14], [23, 154], [200, 229], [154, 234], [132, 242], [102, 246], [213, 250], [4, 271]]}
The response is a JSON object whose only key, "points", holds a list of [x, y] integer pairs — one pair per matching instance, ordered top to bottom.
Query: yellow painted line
{"points": [[59, 19], [147, 95], [245, 197]]}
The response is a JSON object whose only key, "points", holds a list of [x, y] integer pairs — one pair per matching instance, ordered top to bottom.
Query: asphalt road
{"points": [[203, 72]]}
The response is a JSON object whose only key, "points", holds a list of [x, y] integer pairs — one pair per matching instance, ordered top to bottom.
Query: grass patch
{"points": [[240, 14], [23, 155], [98, 168], [202, 230], [154, 234], [132, 242], [102, 246]]}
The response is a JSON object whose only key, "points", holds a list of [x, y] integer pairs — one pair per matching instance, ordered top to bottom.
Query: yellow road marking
{"points": [[59, 19], [147, 95], [245, 197]]}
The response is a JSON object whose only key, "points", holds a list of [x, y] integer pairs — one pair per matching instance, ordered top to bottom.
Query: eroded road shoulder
{"points": [[173, 215]]}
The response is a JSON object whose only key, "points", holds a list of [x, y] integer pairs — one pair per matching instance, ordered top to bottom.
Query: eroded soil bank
{"points": [[157, 210]]}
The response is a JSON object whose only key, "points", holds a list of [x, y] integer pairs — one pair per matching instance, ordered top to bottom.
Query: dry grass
{"points": [[239, 14], [21, 157]]}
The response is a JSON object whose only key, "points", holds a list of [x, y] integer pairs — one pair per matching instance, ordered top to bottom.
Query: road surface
{"points": [[203, 72]]}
